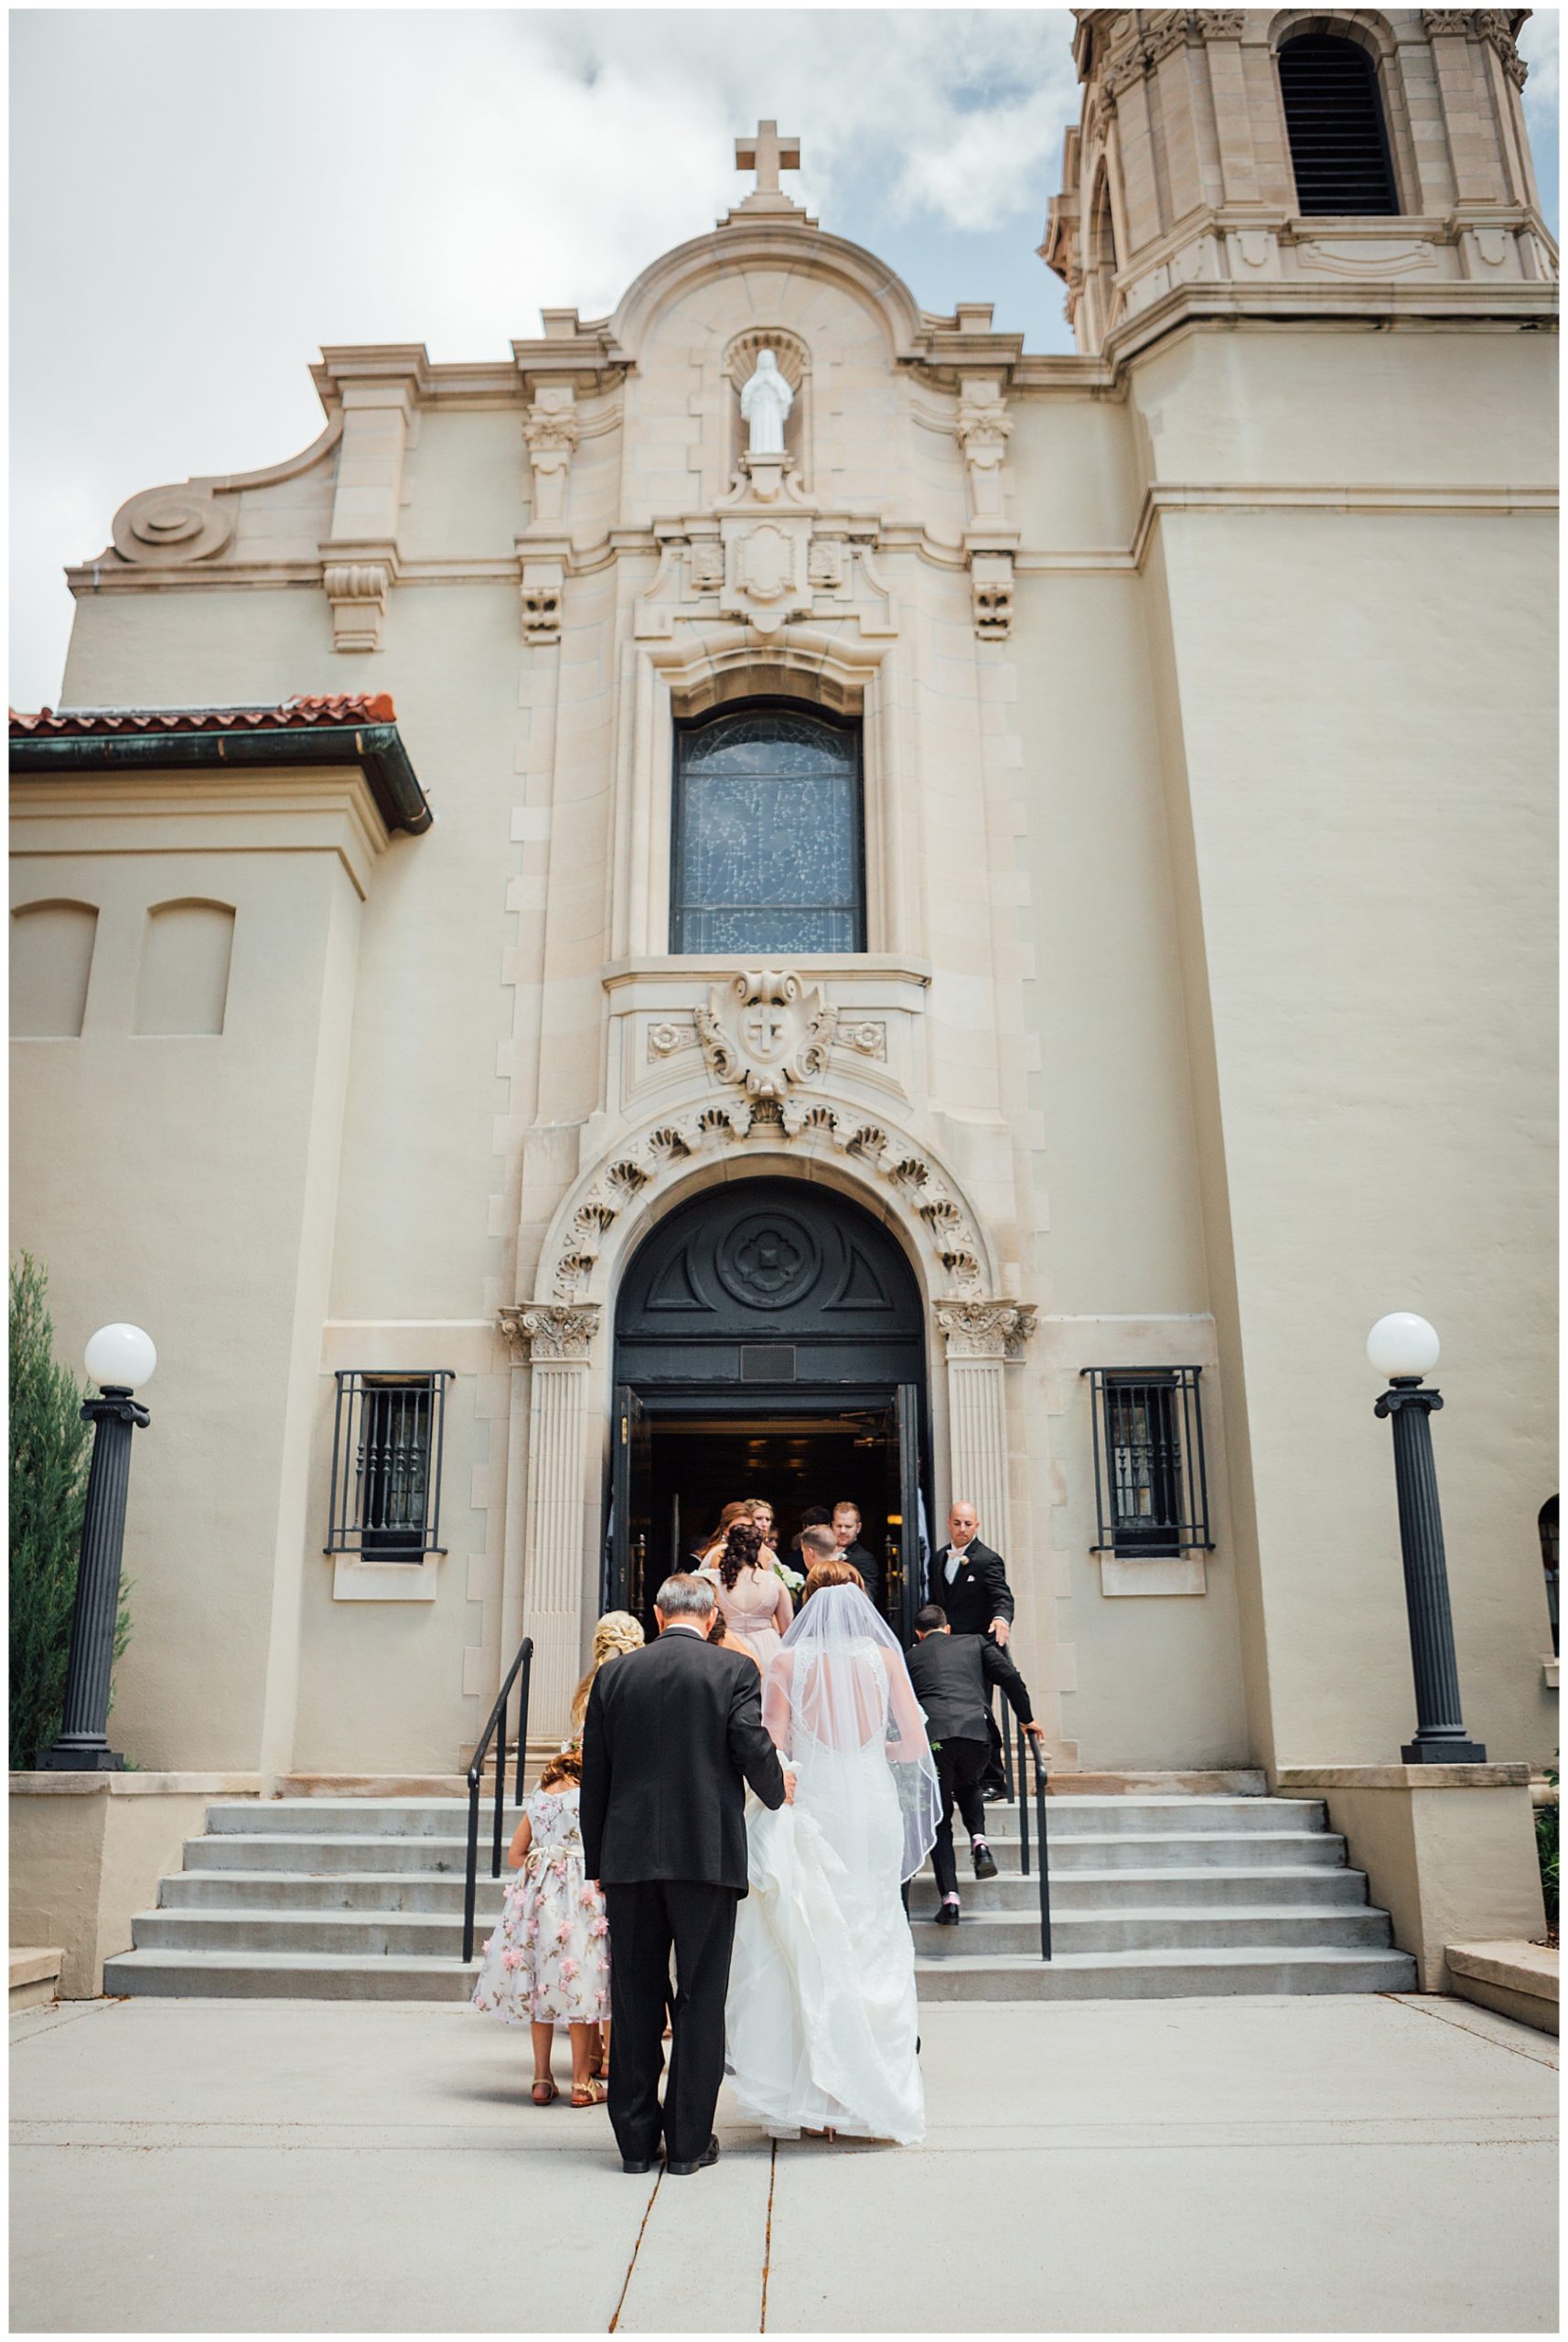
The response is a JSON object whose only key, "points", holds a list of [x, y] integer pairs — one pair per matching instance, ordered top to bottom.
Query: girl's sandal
{"points": [[592, 2092], [545, 2093]]}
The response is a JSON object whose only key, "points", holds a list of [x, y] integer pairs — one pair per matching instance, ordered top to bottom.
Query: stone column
{"points": [[981, 1337], [558, 1342]]}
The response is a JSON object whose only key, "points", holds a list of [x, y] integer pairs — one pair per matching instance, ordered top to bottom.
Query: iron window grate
{"points": [[1334, 118], [388, 1434], [1151, 1480]]}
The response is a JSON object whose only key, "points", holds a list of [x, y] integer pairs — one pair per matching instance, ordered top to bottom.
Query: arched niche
{"points": [[51, 967], [183, 984]]}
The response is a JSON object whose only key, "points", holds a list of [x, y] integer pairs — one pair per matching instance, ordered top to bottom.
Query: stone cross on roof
{"points": [[766, 154]]}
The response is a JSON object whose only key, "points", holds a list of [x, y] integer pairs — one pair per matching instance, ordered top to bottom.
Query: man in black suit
{"points": [[846, 1537], [970, 1581], [952, 1675], [672, 1734]]}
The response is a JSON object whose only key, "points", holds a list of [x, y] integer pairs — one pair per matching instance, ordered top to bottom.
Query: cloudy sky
{"points": [[201, 197]]}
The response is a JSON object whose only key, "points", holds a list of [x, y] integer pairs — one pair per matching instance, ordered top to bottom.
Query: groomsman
{"points": [[846, 1537], [970, 1581], [952, 1676]]}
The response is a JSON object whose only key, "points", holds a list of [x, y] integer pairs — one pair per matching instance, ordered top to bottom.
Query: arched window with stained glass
{"points": [[768, 850]]}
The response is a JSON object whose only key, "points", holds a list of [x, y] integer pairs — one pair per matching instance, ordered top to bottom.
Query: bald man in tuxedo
{"points": [[969, 1580]]}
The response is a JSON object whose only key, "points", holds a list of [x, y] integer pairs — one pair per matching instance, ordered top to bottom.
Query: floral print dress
{"points": [[548, 1962]]}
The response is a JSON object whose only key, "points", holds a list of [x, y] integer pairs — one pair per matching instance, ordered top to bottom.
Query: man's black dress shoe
{"points": [[997, 1796], [985, 1862], [946, 1915], [709, 2155], [637, 2163]]}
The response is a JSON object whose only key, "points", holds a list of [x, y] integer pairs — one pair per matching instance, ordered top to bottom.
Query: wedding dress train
{"points": [[820, 2017]]}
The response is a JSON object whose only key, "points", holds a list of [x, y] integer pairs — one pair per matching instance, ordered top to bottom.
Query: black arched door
{"points": [[770, 1331]]}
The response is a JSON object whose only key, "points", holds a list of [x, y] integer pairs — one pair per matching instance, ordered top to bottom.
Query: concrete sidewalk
{"points": [[1326, 2166]]}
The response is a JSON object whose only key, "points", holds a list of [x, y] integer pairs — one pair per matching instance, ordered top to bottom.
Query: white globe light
{"points": [[1402, 1343], [120, 1357]]}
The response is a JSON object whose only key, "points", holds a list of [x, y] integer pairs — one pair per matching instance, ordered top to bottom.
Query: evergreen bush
{"points": [[51, 1449], [1546, 1834]]}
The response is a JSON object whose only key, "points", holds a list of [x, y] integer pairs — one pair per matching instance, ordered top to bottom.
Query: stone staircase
{"points": [[1152, 1897]]}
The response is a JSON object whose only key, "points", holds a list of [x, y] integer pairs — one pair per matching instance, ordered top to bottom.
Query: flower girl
{"points": [[548, 1962]]}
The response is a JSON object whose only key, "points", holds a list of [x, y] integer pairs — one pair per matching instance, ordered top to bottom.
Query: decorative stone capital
{"points": [[358, 593], [767, 1032], [994, 1329], [549, 1334]]}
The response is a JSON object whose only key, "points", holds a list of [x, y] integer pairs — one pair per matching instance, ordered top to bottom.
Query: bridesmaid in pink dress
{"points": [[756, 1604]]}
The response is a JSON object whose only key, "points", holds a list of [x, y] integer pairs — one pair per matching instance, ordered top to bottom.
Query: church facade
{"points": [[955, 926]]}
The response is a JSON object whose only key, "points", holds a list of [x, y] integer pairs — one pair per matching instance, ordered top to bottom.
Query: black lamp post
{"points": [[1405, 1348], [118, 1358]]}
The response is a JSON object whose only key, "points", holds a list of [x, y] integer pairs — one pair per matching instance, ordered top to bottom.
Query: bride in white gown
{"points": [[821, 2016]]}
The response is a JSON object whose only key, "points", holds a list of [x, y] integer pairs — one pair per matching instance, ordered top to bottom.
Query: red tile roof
{"points": [[347, 708]]}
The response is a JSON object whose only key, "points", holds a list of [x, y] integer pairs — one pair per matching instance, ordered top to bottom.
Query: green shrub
{"points": [[51, 1449], [1546, 1821]]}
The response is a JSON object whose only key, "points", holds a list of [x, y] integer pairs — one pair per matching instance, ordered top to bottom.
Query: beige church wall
{"points": [[1334, 409], [1074, 476], [467, 485], [181, 646], [1365, 871], [184, 1182]]}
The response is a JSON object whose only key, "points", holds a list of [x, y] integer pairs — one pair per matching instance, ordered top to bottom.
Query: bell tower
{"points": [[1282, 163]]}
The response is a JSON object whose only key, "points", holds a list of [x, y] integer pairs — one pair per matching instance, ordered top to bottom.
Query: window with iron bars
{"points": [[386, 1465], [1151, 1483]]}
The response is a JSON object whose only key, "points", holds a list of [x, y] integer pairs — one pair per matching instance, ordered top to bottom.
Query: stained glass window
{"points": [[767, 836]]}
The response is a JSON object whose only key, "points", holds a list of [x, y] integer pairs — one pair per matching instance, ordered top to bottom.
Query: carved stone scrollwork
{"points": [[984, 428], [551, 430], [174, 524], [705, 565], [358, 593], [765, 1032], [867, 1040], [666, 1150], [985, 1328], [549, 1333]]}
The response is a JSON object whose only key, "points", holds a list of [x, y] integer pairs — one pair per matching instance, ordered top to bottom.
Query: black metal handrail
{"points": [[495, 1730], [1039, 1778]]}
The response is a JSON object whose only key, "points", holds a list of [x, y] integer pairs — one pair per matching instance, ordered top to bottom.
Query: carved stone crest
{"points": [[767, 1032]]}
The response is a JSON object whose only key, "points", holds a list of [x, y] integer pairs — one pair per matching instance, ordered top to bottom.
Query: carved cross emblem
{"points": [[765, 1032]]}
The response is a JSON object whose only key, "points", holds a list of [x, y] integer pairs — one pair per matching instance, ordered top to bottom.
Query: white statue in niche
{"points": [[765, 401]]}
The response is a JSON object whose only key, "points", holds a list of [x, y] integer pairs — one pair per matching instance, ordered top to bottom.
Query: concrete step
{"points": [[1067, 1817], [327, 1855], [1312, 1885], [264, 1890], [986, 1934], [372, 1935], [1149, 1975], [285, 1976]]}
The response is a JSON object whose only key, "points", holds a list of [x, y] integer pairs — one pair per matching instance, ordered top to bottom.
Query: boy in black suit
{"points": [[952, 1675]]}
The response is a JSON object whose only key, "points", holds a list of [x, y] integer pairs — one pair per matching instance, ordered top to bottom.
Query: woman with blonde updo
{"points": [[756, 1604], [616, 1631]]}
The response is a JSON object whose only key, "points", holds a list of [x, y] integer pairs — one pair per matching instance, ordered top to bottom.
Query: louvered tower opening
{"points": [[1335, 118]]}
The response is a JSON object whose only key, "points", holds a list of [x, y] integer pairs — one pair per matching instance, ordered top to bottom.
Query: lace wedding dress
{"points": [[821, 2016]]}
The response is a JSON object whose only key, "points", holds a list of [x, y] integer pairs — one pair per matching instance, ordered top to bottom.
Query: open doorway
{"points": [[769, 1342], [686, 1464]]}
